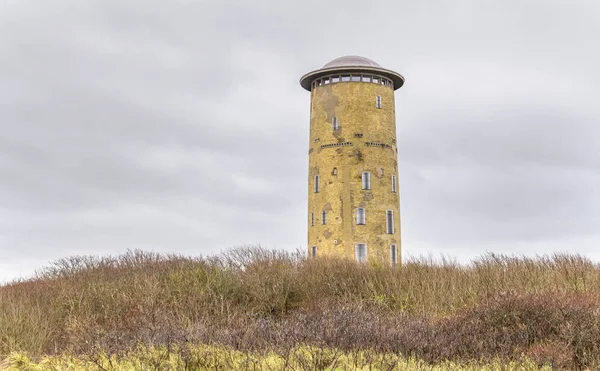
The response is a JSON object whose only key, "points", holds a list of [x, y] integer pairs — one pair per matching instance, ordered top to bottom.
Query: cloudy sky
{"points": [[180, 126]]}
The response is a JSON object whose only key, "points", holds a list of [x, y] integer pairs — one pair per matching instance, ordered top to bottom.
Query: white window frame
{"points": [[378, 101], [366, 180], [317, 183], [394, 183], [361, 216], [389, 221], [393, 254], [361, 258]]}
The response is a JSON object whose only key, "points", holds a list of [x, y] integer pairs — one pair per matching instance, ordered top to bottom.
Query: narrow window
{"points": [[378, 101], [334, 123], [381, 171], [334, 172], [317, 179], [366, 180], [394, 183], [360, 216], [324, 217], [312, 219], [389, 221], [313, 251], [360, 252], [393, 255]]}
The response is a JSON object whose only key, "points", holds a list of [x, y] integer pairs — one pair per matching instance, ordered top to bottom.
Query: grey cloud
{"points": [[181, 126]]}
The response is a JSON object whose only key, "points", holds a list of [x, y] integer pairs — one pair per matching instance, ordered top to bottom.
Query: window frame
{"points": [[366, 180], [361, 216], [389, 222], [361, 258]]}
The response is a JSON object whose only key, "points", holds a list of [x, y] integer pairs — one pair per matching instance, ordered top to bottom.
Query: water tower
{"points": [[353, 195]]}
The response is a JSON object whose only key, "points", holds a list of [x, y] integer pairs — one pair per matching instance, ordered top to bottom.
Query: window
{"points": [[345, 78], [355, 78], [367, 78], [335, 79], [376, 80], [378, 101], [334, 123], [358, 135], [381, 171], [334, 172], [317, 179], [366, 180], [394, 183], [360, 216], [324, 217], [312, 219], [389, 221], [313, 251], [360, 252], [393, 255]]}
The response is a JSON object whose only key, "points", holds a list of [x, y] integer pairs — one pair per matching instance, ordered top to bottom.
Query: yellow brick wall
{"points": [[354, 104]]}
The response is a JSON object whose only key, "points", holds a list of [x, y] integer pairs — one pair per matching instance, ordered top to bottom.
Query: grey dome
{"points": [[351, 61], [351, 64]]}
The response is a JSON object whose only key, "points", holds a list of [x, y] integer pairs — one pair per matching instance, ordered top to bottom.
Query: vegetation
{"points": [[270, 309]]}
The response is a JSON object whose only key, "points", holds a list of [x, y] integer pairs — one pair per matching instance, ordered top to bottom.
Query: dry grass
{"points": [[253, 299]]}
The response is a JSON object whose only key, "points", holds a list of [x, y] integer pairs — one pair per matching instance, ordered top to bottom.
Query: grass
{"points": [[252, 302]]}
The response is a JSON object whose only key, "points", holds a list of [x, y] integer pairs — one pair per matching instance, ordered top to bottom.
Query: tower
{"points": [[353, 196]]}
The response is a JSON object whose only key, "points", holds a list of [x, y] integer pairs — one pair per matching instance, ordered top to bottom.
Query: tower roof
{"points": [[349, 64]]}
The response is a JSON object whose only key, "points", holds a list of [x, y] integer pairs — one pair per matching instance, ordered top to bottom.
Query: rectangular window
{"points": [[355, 78], [378, 101], [334, 123], [317, 180], [366, 180], [394, 183], [360, 215], [324, 217], [312, 219], [389, 221], [313, 251], [360, 252], [393, 258]]}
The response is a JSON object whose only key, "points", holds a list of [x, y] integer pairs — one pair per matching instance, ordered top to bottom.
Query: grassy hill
{"points": [[257, 309]]}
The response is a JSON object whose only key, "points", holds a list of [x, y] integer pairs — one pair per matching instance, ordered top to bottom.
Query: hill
{"points": [[250, 301]]}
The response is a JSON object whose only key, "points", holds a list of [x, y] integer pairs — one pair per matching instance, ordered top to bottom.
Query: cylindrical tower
{"points": [[353, 195]]}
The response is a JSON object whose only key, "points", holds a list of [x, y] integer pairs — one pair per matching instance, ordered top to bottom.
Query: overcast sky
{"points": [[180, 126]]}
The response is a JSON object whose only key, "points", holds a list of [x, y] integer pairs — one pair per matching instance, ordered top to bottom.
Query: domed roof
{"points": [[351, 61], [351, 64]]}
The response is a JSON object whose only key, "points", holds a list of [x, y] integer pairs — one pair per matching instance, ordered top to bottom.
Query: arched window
{"points": [[361, 216]]}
